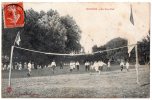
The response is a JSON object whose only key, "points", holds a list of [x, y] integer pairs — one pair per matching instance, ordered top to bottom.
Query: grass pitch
{"points": [[78, 84]]}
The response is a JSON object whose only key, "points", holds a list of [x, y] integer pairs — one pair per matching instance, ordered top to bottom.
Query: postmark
{"points": [[13, 15]]}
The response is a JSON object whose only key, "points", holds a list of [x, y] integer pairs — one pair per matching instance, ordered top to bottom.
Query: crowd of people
{"points": [[97, 66]]}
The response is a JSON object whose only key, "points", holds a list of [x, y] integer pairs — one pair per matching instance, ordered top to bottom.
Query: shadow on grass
{"points": [[145, 84]]}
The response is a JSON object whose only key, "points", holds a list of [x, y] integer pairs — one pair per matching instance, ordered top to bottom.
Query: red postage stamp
{"points": [[13, 15]]}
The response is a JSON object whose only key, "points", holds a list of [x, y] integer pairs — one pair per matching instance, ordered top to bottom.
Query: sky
{"points": [[102, 22]]}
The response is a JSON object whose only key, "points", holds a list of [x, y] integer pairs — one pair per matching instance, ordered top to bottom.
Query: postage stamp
{"points": [[13, 15]]}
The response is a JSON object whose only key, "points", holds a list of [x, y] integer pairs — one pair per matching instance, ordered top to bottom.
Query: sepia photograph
{"points": [[75, 49]]}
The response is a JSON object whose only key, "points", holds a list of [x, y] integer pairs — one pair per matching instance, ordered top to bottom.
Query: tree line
{"points": [[43, 31], [116, 55]]}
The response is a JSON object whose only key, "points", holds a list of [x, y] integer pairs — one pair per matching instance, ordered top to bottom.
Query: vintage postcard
{"points": [[75, 50]]}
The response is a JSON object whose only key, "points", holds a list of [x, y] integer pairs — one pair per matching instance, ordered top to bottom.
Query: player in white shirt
{"points": [[77, 64], [101, 64], [29, 65], [53, 65], [86, 65], [109, 65], [122, 65], [20, 66], [72, 66], [95, 66], [98, 66], [127, 66], [5, 67], [8, 67]]}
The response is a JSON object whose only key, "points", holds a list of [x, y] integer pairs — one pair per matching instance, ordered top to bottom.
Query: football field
{"points": [[78, 84]]}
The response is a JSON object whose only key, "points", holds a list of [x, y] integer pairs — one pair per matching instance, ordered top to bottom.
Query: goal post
{"points": [[59, 54]]}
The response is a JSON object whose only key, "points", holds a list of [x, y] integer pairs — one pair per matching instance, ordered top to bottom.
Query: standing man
{"points": [[16, 64], [77, 64], [101, 64], [25, 65], [32, 65], [53, 65], [61, 65], [86, 65], [109, 65], [121, 65], [20, 66], [72, 66], [127, 66], [4, 67], [29, 68]]}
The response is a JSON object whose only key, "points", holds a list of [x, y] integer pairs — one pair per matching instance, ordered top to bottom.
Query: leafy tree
{"points": [[44, 31], [73, 34], [144, 50], [118, 54], [101, 55], [114, 55]]}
